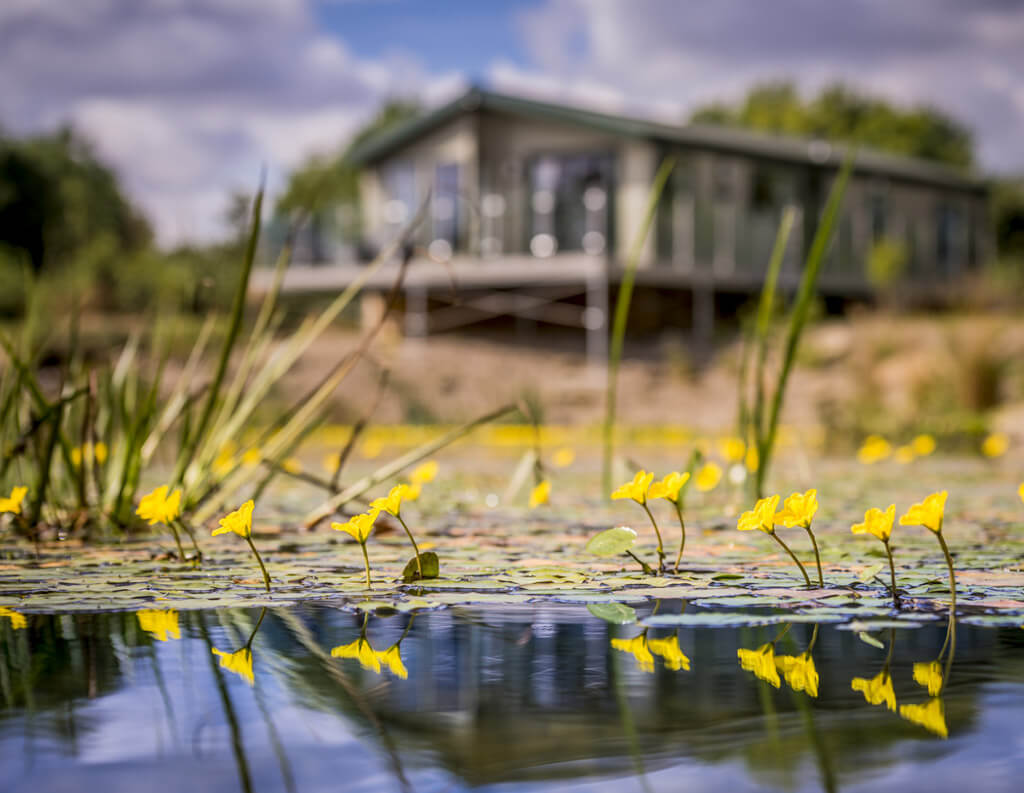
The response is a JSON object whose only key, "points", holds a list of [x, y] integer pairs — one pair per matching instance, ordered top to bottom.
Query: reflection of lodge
{"points": [[528, 195]]}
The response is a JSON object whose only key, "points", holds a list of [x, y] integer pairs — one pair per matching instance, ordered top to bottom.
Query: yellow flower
{"points": [[923, 445], [995, 445], [372, 448], [874, 448], [733, 449], [101, 452], [904, 455], [76, 456], [564, 457], [251, 458], [752, 459], [330, 462], [292, 465], [424, 473], [708, 477], [669, 487], [637, 489], [413, 491], [1020, 491], [540, 494], [13, 502], [392, 502], [158, 507], [799, 509], [927, 513], [762, 516], [239, 521], [877, 522], [360, 526], [18, 621], [159, 623], [637, 647], [361, 650], [669, 650], [393, 661], [239, 662], [761, 662], [799, 672], [929, 675], [877, 690], [931, 716]]}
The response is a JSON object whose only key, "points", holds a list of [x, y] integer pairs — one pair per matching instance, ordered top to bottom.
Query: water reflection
{"points": [[524, 697]]}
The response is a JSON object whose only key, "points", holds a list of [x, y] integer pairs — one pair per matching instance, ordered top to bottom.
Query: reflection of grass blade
{"points": [[801, 310], [622, 314], [385, 472]]}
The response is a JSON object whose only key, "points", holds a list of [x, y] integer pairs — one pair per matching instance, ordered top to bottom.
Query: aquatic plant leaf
{"points": [[611, 542], [431, 567], [615, 613]]}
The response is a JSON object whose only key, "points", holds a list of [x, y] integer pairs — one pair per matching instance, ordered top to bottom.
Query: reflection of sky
{"points": [[123, 740]]}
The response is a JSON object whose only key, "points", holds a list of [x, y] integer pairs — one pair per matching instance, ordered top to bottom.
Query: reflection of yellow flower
{"points": [[923, 445], [995, 445], [874, 448], [733, 449], [564, 457], [424, 473], [708, 477], [669, 487], [637, 489], [540, 493], [13, 502], [392, 502], [158, 507], [799, 509], [927, 513], [762, 516], [239, 521], [877, 522], [359, 526], [18, 621], [159, 624], [637, 647], [668, 649], [361, 650], [392, 659], [239, 662], [761, 662], [799, 672], [929, 675], [877, 690], [931, 716]]}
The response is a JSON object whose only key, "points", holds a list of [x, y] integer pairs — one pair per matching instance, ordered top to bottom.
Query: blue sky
{"points": [[187, 99]]}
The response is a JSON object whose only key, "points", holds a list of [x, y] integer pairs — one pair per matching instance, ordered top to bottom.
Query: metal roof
{"points": [[699, 136]]}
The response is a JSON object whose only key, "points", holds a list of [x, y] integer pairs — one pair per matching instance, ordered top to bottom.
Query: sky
{"points": [[188, 99]]}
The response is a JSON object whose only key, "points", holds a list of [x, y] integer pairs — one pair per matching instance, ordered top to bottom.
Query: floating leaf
{"points": [[611, 542], [430, 564], [870, 572], [615, 613], [867, 638]]}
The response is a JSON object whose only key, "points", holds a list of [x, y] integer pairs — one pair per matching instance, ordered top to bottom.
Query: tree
{"points": [[839, 113]]}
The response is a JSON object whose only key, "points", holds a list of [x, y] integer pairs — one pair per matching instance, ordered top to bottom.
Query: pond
{"points": [[521, 698]]}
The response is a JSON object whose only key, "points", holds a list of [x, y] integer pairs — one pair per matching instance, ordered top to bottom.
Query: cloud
{"points": [[660, 56], [188, 99]]}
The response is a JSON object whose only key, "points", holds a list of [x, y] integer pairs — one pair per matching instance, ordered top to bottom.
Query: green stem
{"points": [[192, 536], [682, 538], [177, 539], [661, 547], [415, 548], [792, 555], [817, 556], [366, 561], [949, 564], [646, 567], [892, 574], [266, 576]]}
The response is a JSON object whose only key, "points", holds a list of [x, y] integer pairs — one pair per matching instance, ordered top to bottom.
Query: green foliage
{"points": [[840, 113], [1008, 217], [887, 261], [612, 542]]}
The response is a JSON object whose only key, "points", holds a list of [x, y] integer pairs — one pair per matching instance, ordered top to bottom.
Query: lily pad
{"points": [[611, 542], [430, 564], [615, 613]]}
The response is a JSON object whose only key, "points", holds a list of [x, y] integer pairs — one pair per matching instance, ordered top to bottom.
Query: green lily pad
{"points": [[611, 542], [430, 564], [615, 613]]}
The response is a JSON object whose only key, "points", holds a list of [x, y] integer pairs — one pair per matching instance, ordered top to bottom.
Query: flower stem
{"points": [[682, 538], [177, 539], [195, 545], [661, 547], [415, 548], [792, 555], [817, 556], [366, 561], [949, 564], [646, 567], [892, 574], [266, 576]]}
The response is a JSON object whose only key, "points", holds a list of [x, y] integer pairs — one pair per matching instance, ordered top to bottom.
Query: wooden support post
{"points": [[417, 320]]}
